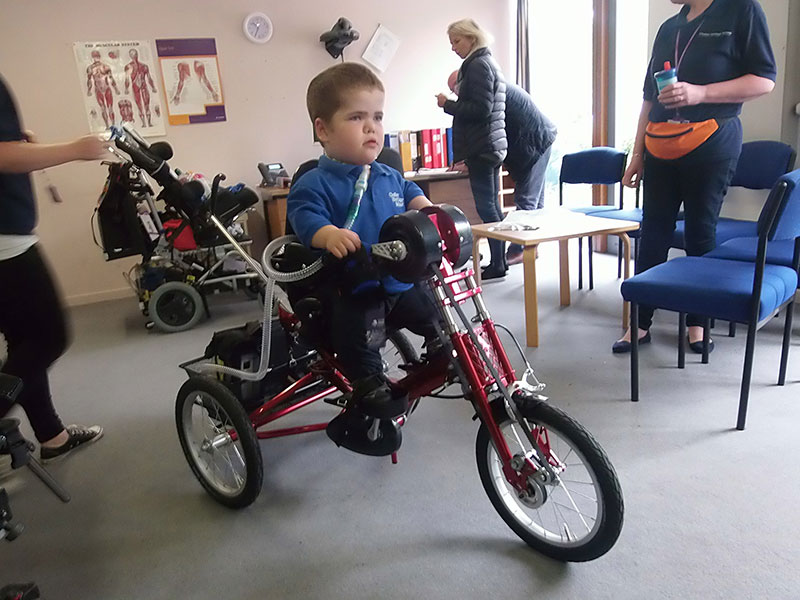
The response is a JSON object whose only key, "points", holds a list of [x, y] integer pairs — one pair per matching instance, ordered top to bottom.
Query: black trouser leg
{"points": [[484, 180], [700, 187], [414, 310], [33, 324]]}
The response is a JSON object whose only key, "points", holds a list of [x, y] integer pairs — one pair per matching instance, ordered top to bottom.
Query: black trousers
{"points": [[484, 180], [700, 187], [33, 324], [354, 327]]}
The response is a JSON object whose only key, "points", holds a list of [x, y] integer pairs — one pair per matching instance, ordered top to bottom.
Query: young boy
{"points": [[345, 103]]}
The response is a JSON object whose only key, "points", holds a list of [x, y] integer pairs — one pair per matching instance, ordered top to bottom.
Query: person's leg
{"points": [[537, 177], [484, 182], [704, 187], [526, 197], [662, 199], [414, 310], [32, 321], [358, 336], [359, 357]]}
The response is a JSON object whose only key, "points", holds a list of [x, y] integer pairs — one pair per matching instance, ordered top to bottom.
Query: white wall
{"points": [[264, 91]]}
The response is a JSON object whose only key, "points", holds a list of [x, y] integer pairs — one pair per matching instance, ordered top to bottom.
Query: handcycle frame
{"points": [[482, 369], [512, 412]]}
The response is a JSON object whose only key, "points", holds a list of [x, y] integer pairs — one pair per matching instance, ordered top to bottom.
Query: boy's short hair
{"points": [[325, 92]]}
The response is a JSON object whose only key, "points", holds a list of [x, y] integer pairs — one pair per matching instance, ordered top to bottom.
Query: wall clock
{"points": [[257, 27]]}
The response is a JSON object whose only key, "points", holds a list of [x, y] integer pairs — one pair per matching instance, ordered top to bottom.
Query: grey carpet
{"points": [[710, 512]]}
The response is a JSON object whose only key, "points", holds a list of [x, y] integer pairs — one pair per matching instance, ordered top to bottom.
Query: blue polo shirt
{"points": [[728, 40], [322, 196], [17, 205]]}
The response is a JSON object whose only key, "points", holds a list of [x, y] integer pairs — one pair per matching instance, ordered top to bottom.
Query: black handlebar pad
{"points": [[186, 197]]}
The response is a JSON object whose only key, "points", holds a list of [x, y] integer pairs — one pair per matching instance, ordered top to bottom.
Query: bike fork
{"points": [[447, 299]]}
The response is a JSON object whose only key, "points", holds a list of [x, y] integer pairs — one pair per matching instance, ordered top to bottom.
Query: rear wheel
{"points": [[175, 306], [219, 442], [576, 516]]}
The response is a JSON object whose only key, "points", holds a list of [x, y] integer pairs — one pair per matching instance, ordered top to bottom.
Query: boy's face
{"points": [[355, 132]]}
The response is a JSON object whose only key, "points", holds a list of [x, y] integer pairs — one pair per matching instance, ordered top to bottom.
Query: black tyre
{"points": [[175, 306], [398, 351], [219, 442], [578, 516]]}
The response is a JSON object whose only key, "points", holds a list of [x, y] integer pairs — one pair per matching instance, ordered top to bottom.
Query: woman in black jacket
{"points": [[479, 136]]}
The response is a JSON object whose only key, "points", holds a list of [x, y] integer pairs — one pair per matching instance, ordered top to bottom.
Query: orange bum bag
{"points": [[671, 140]]}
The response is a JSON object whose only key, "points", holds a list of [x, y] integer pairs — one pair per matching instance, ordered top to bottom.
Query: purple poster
{"points": [[190, 73]]}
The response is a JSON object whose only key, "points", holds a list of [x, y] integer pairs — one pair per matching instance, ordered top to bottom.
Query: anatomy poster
{"points": [[190, 73], [119, 86]]}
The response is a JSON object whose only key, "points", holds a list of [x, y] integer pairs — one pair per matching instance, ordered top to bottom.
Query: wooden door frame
{"points": [[603, 53]]}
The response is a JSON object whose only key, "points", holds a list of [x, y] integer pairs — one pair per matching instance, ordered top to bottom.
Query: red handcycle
{"points": [[544, 473]]}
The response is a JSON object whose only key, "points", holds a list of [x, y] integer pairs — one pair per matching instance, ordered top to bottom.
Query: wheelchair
{"points": [[183, 258]]}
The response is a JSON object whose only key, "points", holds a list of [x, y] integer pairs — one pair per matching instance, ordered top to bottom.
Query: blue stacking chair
{"points": [[760, 164], [596, 166], [625, 214], [733, 290]]}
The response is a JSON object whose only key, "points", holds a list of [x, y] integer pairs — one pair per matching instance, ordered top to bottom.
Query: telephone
{"points": [[270, 172]]}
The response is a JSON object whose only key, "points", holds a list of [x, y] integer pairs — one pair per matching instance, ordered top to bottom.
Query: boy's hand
{"points": [[342, 242]]}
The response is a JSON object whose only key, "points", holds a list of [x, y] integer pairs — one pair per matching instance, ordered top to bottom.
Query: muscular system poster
{"points": [[190, 72], [119, 86]]}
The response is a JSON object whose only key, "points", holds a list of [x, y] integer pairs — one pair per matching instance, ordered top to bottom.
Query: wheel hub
{"points": [[535, 494]]}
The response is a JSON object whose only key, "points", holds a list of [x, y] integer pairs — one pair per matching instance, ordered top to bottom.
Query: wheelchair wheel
{"points": [[175, 306], [219, 442], [577, 516]]}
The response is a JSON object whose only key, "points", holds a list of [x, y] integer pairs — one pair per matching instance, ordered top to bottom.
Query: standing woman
{"points": [[689, 135], [479, 136], [32, 319]]}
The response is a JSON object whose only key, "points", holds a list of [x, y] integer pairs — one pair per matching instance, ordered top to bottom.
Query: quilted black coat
{"points": [[479, 113], [529, 132]]}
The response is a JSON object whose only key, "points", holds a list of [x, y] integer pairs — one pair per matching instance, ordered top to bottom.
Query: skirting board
{"points": [[91, 298]]}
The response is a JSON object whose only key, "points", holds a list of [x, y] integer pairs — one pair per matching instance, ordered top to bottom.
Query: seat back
{"points": [[761, 163], [600, 166], [780, 217]]}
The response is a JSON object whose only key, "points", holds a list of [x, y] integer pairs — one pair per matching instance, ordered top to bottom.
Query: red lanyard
{"points": [[679, 60]]}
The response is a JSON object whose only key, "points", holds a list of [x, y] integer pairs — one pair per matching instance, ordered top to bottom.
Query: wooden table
{"points": [[560, 226]]}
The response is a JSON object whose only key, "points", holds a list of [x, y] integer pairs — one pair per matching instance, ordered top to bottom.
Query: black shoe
{"points": [[514, 256], [493, 272], [623, 347], [697, 347], [374, 398], [350, 430], [78, 436], [20, 591]]}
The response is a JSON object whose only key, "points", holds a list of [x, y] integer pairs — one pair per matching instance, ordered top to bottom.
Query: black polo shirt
{"points": [[728, 40], [17, 206]]}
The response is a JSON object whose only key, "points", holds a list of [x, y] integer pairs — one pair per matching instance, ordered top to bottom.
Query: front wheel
{"points": [[219, 442], [575, 517]]}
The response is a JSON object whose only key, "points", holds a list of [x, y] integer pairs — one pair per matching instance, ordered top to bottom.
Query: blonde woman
{"points": [[479, 136]]}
